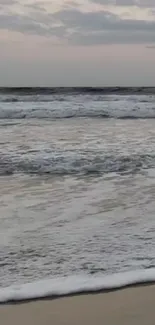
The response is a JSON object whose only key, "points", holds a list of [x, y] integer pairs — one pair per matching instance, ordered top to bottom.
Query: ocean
{"points": [[77, 189]]}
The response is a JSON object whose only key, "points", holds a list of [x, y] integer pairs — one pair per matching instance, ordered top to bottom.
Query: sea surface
{"points": [[77, 189]]}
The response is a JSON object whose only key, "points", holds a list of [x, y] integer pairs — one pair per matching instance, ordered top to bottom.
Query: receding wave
{"points": [[76, 163], [70, 285]]}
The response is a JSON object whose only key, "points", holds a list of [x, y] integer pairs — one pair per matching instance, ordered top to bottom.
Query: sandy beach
{"points": [[131, 306]]}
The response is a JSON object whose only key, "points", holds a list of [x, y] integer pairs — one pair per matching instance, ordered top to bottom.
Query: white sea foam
{"points": [[123, 108], [64, 163], [74, 285]]}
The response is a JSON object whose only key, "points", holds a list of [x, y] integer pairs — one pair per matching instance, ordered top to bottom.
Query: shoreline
{"points": [[71, 286], [77, 294], [132, 305]]}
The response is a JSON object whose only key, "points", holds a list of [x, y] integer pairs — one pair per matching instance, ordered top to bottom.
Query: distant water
{"points": [[77, 172]]}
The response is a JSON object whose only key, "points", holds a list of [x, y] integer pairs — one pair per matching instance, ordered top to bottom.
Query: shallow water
{"points": [[76, 195]]}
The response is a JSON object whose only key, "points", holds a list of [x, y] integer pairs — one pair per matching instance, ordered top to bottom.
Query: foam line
{"points": [[74, 284]]}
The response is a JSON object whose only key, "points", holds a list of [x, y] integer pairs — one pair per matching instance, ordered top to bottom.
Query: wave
{"points": [[76, 90], [76, 97], [34, 98], [67, 110], [76, 163], [70, 285]]}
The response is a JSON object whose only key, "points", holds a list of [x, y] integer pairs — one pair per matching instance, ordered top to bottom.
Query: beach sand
{"points": [[131, 306]]}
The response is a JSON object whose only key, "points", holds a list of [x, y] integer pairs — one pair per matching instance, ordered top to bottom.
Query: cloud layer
{"points": [[8, 2], [127, 3], [78, 27]]}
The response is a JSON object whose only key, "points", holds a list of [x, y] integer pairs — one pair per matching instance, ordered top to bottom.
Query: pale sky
{"points": [[77, 42]]}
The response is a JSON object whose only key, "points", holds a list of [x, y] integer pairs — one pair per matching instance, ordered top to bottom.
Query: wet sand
{"points": [[131, 306]]}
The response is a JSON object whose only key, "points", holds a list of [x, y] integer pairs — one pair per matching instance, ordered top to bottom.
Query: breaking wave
{"points": [[121, 109], [65, 163], [75, 285]]}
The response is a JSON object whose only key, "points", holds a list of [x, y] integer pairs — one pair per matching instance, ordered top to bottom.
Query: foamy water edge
{"points": [[63, 286]]}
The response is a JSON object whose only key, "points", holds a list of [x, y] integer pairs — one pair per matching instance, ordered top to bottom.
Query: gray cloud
{"points": [[7, 2], [116, 2], [139, 3], [35, 6], [152, 12], [101, 21], [20, 24], [28, 25], [103, 27], [82, 28], [112, 38], [151, 47]]}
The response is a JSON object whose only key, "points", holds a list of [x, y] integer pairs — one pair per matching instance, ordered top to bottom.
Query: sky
{"points": [[77, 43]]}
